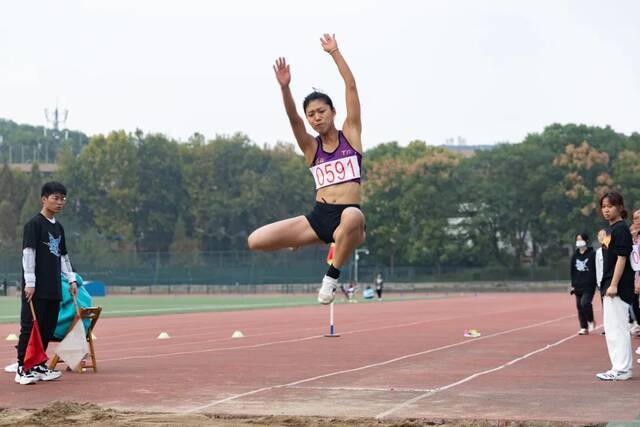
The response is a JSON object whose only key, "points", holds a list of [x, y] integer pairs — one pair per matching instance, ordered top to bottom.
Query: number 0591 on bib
{"points": [[335, 172]]}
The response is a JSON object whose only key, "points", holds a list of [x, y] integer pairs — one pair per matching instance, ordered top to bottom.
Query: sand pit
{"points": [[61, 413]]}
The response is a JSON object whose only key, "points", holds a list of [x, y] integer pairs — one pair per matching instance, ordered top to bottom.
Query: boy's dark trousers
{"points": [[47, 315]]}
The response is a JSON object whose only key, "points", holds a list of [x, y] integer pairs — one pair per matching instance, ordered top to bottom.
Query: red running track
{"points": [[393, 360]]}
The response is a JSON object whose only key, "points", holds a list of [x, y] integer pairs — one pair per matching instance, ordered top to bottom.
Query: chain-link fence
{"points": [[256, 268]]}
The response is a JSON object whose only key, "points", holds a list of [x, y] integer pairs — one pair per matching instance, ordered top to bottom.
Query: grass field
{"points": [[145, 305]]}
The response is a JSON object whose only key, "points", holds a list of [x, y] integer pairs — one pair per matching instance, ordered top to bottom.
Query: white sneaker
{"points": [[327, 291], [592, 326], [635, 328], [583, 331], [13, 368], [45, 374], [612, 375], [25, 378]]}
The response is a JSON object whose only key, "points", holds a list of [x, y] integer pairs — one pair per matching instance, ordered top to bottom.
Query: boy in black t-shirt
{"points": [[44, 258], [617, 288]]}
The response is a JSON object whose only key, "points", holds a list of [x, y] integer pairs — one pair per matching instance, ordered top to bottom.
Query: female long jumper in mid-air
{"points": [[335, 161]]}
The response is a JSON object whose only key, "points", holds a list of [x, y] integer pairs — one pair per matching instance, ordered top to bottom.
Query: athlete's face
{"points": [[320, 116], [54, 202], [636, 217]]}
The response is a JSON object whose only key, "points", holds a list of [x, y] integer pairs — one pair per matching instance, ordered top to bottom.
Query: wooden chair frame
{"points": [[92, 313]]}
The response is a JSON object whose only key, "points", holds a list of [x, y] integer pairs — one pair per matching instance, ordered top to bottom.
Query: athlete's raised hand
{"points": [[329, 43], [283, 75]]}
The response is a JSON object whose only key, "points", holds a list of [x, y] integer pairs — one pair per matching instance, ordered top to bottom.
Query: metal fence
{"points": [[255, 268]]}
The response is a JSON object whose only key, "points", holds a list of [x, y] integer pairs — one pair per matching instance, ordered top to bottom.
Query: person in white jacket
{"points": [[602, 234]]}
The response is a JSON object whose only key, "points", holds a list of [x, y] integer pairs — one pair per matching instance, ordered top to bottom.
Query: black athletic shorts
{"points": [[325, 218]]}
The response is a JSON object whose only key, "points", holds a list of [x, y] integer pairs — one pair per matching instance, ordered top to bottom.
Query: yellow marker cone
{"points": [[237, 334], [163, 336], [12, 337]]}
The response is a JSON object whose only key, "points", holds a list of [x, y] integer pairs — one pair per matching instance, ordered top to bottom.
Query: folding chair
{"points": [[92, 313]]}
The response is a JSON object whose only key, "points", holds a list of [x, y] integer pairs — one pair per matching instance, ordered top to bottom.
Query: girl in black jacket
{"points": [[583, 282]]}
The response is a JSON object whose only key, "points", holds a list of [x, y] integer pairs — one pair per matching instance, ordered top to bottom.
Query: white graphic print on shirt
{"points": [[582, 265]]}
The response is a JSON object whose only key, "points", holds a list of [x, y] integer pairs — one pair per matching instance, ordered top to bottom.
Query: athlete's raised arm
{"points": [[352, 125], [305, 141]]}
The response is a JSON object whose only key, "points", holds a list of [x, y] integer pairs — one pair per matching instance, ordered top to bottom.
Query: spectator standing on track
{"points": [[44, 259], [379, 282], [583, 282], [617, 287]]}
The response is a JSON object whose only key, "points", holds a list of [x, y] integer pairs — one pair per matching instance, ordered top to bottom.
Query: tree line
{"points": [[509, 206]]}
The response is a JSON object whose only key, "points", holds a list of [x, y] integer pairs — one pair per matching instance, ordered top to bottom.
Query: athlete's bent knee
{"points": [[352, 219], [253, 241]]}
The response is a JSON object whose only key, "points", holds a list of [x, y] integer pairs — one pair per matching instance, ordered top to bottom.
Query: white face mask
{"points": [[581, 244]]}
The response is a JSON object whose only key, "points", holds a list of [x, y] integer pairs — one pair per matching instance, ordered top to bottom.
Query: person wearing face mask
{"points": [[583, 282]]}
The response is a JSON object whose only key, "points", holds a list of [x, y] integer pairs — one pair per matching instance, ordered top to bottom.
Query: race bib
{"points": [[335, 171], [635, 258]]}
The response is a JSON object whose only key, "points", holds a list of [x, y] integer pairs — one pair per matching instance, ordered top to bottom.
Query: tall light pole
{"points": [[55, 118], [357, 257]]}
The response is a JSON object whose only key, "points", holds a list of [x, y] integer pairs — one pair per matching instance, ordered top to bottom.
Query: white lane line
{"points": [[399, 325], [288, 341], [212, 350], [375, 365], [471, 377], [385, 389]]}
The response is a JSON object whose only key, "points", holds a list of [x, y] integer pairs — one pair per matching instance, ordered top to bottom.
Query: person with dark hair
{"points": [[334, 158], [44, 259], [379, 282], [583, 282], [617, 287]]}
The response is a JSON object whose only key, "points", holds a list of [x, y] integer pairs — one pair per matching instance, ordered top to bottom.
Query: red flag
{"points": [[330, 254], [35, 354]]}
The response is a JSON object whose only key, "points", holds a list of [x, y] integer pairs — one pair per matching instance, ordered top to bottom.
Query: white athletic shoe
{"points": [[327, 291], [592, 326], [635, 328], [583, 331], [13, 368], [45, 374], [612, 375], [25, 378]]}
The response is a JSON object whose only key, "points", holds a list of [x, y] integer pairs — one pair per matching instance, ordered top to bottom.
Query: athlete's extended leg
{"points": [[288, 233], [348, 236]]}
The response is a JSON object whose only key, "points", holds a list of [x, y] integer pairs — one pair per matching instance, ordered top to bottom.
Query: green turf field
{"points": [[145, 305]]}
